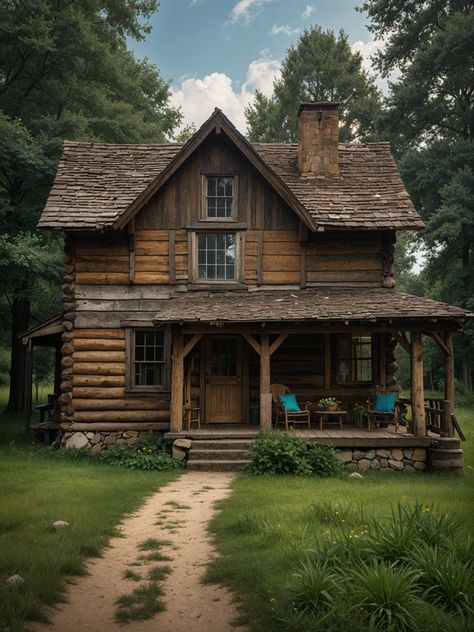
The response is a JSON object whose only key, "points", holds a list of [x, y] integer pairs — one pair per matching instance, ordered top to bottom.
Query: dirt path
{"points": [[184, 508]]}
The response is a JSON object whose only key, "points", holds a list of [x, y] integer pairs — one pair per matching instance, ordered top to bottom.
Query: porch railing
{"points": [[437, 415]]}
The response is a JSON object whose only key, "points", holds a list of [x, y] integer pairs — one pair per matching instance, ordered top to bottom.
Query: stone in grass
{"points": [[355, 475], [60, 524], [15, 580]]}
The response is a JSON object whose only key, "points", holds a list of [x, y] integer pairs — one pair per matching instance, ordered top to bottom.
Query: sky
{"points": [[216, 53]]}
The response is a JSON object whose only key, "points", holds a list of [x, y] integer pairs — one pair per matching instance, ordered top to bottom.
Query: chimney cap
{"points": [[318, 105]]}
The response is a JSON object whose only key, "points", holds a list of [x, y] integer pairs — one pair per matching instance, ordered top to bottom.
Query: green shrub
{"points": [[279, 453], [283, 453], [136, 458], [323, 460]]}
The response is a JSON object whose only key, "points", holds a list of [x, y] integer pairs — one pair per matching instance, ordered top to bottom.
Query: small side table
{"points": [[330, 416]]}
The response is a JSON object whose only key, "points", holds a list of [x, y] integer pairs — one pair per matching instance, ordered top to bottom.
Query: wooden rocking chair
{"points": [[383, 407], [281, 414]]}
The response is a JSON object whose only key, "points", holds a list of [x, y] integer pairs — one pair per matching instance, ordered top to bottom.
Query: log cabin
{"points": [[199, 274]]}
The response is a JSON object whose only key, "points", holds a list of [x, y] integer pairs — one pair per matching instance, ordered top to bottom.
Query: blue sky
{"points": [[217, 52]]}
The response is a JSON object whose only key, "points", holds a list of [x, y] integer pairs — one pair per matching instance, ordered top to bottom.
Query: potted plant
{"points": [[331, 404], [360, 414]]}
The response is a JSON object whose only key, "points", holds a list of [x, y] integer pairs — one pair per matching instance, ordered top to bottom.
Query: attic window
{"points": [[219, 197]]}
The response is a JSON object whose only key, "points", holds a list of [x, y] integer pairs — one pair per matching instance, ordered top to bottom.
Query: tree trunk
{"points": [[20, 320], [466, 370]]}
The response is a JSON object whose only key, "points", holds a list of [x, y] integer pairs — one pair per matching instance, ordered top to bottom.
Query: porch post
{"points": [[177, 382], [417, 392], [265, 394], [448, 409]]}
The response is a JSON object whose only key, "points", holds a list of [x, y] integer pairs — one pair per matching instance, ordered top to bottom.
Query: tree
{"points": [[320, 67], [65, 72], [430, 117]]}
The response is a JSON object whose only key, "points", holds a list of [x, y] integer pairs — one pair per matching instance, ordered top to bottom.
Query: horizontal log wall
{"points": [[281, 257], [344, 258], [98, 383]]}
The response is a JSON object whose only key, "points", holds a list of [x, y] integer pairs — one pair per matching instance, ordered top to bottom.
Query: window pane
{"points": [[211, 186], [219, 193], [216, 256], [149, 358], [354, 358]]}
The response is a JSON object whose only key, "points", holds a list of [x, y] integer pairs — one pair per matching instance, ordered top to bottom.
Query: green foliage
{"points": [[320, 67], [150, 452], [278, 453], [282, 453], [323, 460], [313, 587], [385, 596], [141, 604]]}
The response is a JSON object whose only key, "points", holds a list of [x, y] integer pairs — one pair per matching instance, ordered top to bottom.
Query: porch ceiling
{"points": [[310, 305]]}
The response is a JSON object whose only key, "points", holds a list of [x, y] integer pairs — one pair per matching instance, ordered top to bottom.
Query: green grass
{"points": [[34, 492], [269, 524], [141, 604]]}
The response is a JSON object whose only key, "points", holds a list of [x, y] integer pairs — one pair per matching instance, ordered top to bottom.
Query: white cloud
{"points": [[194, 3], [246, 9], [308, 11], [283, 30], [367, 51], [198, 97]]}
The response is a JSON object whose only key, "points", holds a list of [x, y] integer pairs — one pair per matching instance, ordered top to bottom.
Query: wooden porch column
{"points": [[177, 382], [417, 391], [265, 394], [447, 421]]}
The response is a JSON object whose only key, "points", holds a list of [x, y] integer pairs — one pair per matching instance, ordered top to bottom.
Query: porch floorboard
{"points": [[351, 436]]}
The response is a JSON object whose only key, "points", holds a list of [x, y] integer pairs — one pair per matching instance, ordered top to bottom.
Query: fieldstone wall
{"points": [[67, 348], [98, 441], [384, 459]]}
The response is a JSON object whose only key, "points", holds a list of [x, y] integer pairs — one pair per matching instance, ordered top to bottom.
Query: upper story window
{"points": [[220, 197], [216, 257], [354, 358]]}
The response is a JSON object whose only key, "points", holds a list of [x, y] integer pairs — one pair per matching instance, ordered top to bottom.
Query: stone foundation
{"points": [[98, 441], [384, 459]]}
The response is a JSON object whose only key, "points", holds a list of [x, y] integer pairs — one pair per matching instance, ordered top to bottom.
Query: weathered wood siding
{"points": [[178, 203], [344, 258], [98, 382]]}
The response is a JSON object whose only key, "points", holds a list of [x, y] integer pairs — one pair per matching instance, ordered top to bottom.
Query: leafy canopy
{"points": [[320, 67]]}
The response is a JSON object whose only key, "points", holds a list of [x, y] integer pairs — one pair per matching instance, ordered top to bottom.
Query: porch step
{"points": [[221, 444], [219, 455], [216, 465]]}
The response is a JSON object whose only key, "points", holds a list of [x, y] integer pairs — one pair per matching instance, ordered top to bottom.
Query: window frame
{"points": [[235, 188], [239, 258], [338, 358], [141, 390]]}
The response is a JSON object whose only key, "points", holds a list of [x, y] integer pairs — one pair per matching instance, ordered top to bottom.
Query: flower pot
{"points": [[333, 408]]}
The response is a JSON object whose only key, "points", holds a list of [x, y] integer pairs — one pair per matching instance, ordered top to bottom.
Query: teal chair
{"points": [[384, 408]]}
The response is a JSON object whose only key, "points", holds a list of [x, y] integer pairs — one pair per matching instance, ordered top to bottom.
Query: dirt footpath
{"points": [[182, 509]]}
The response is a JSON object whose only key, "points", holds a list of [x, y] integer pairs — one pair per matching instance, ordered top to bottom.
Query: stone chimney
{"points": [[318, 139]]}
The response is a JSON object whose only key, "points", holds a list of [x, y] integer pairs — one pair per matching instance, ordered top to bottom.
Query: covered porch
{"points": [[229, 348]]}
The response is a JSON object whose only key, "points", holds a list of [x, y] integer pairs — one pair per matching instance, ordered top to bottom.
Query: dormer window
{"points": [[219, 198]]}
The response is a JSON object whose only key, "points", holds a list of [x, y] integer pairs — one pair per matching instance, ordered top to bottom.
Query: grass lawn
{"points": [[34, 492], [269, 524]]}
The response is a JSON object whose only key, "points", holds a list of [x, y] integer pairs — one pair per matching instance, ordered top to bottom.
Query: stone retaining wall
{"points": [[98, 441], [384, 459]]}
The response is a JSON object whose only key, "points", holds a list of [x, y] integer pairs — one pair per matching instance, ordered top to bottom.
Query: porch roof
{"points": [[309, 305]]}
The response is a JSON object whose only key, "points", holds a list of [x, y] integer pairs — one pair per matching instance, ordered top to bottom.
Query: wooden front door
{"points": [[223, 377]]}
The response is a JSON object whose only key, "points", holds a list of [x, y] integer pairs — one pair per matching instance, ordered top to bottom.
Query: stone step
{"points": [[221, 444], [218, 455], [216, 465]]}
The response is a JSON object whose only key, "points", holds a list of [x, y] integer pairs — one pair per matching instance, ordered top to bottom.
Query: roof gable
{"points": [[220, 123], [101, 186]]}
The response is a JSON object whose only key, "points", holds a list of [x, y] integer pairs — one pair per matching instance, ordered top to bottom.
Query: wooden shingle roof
{"points": [[97, 184], [310, 305]]}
